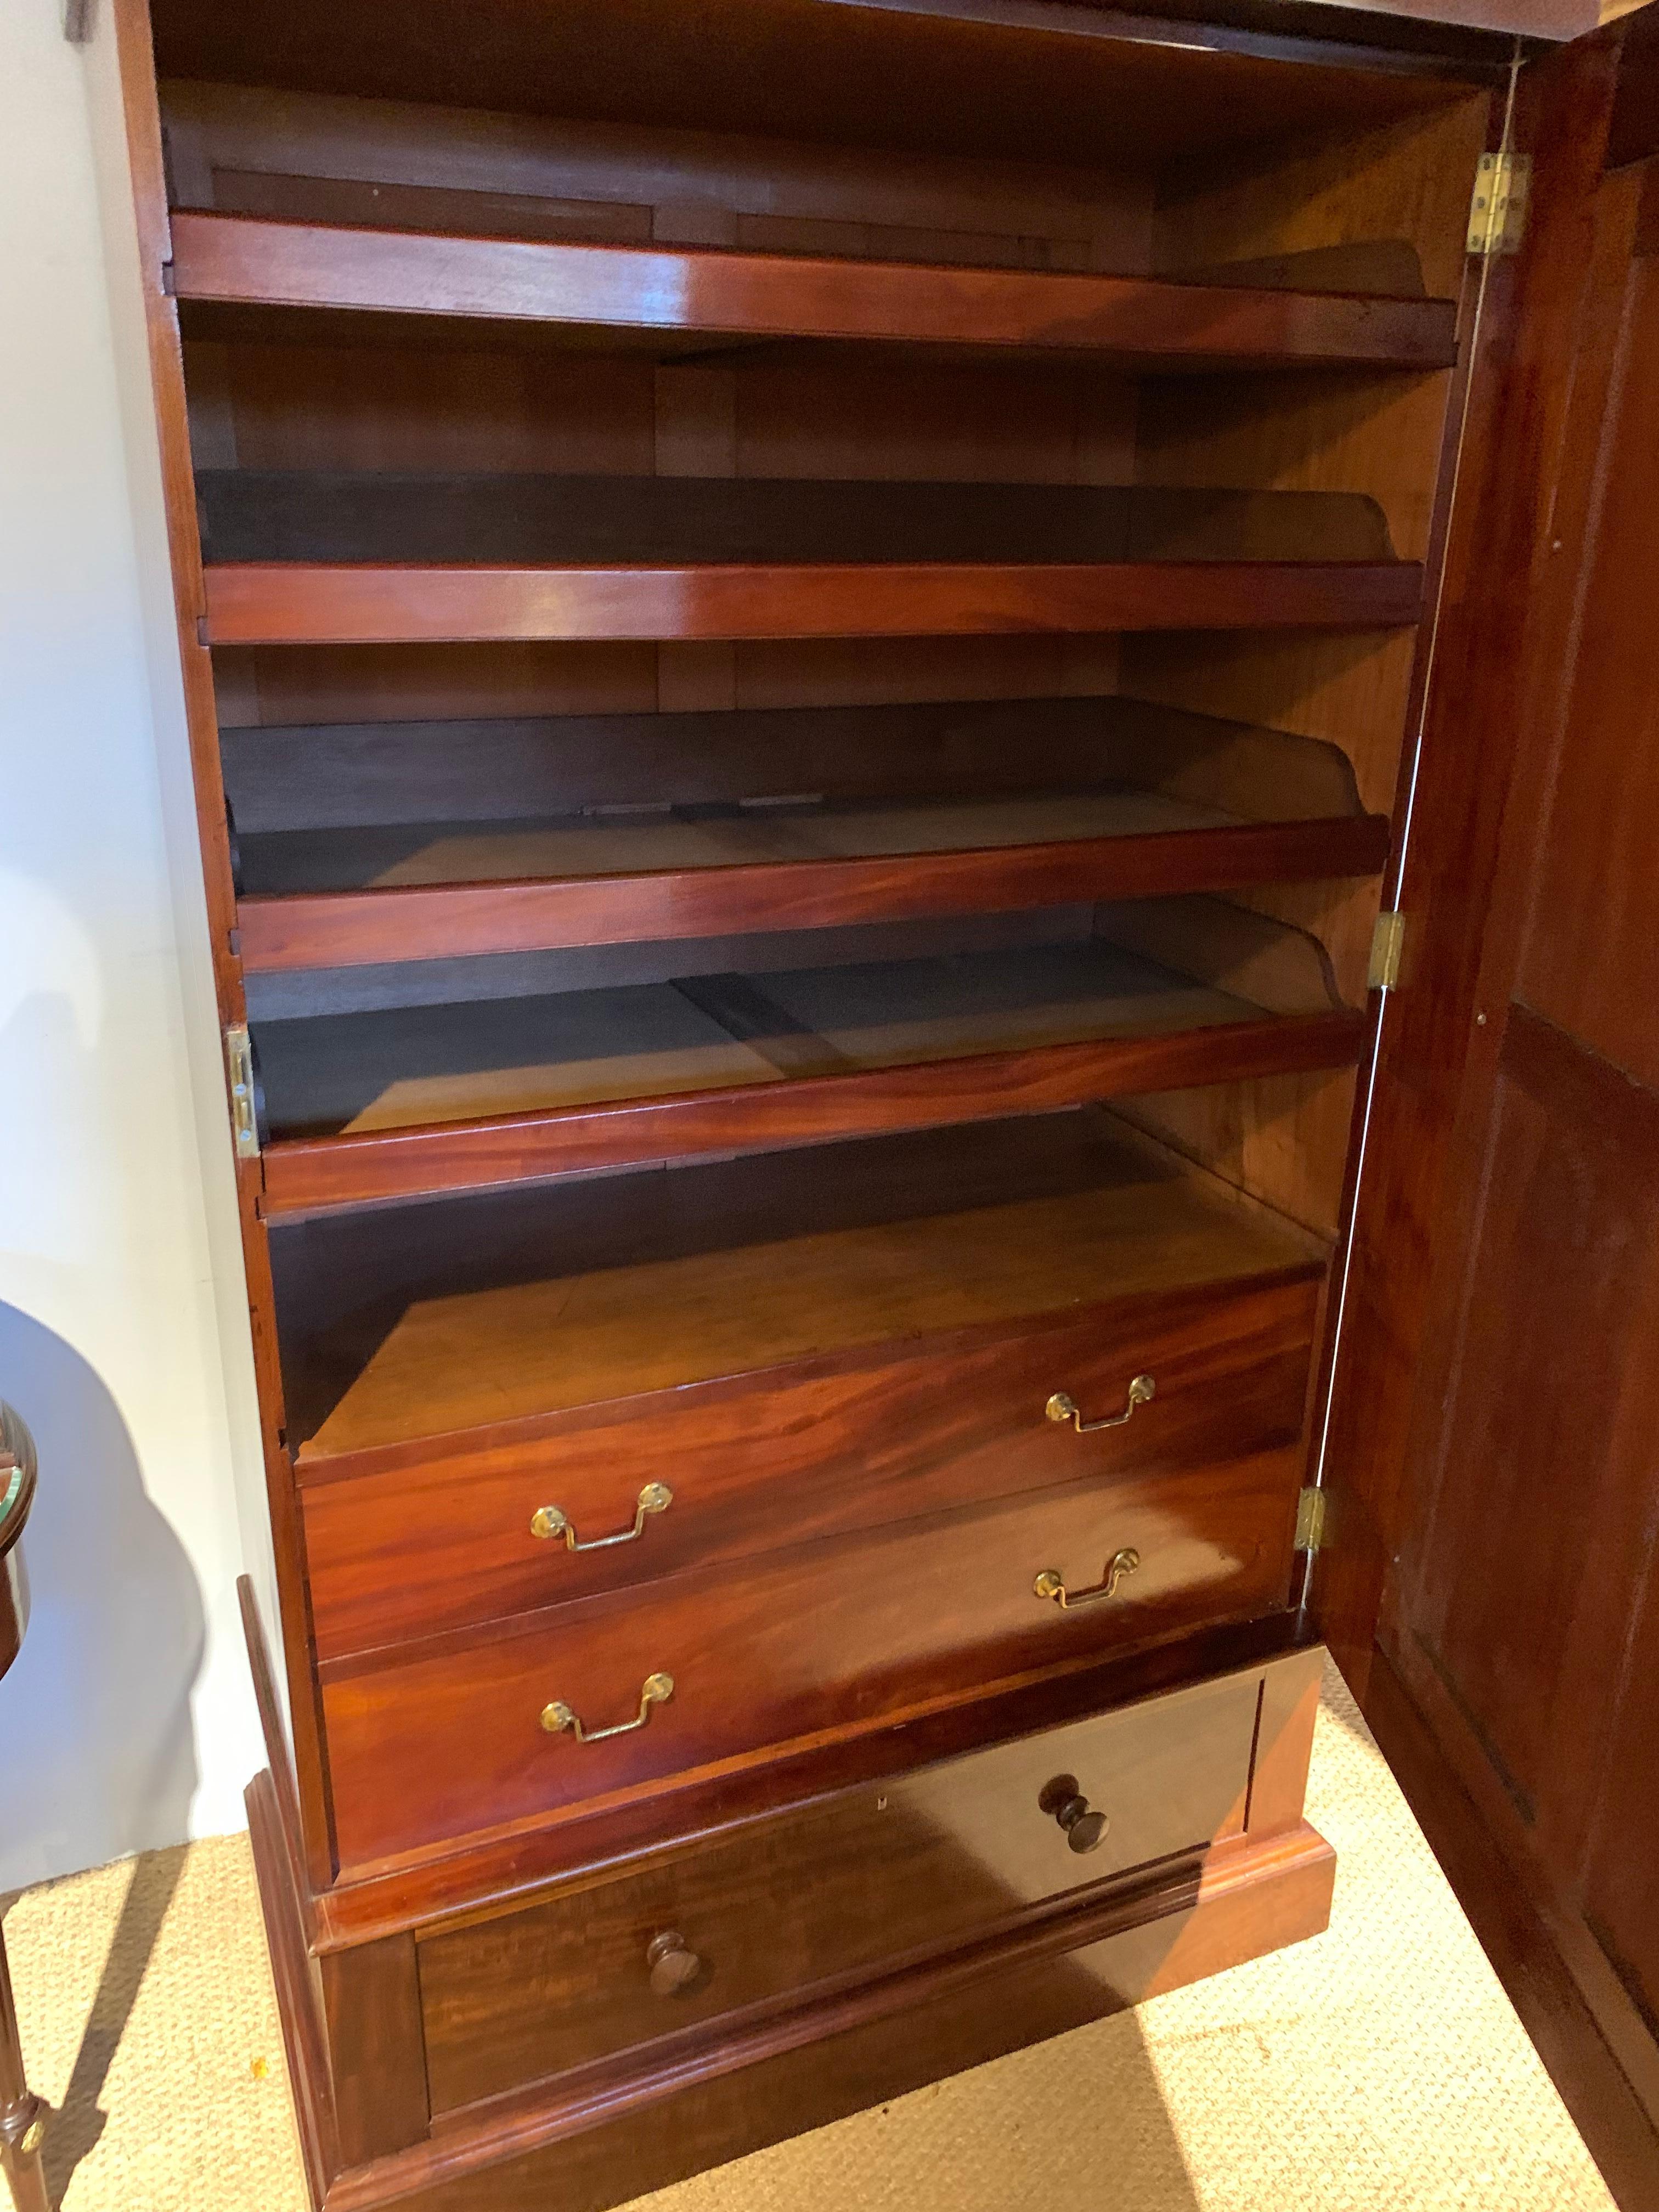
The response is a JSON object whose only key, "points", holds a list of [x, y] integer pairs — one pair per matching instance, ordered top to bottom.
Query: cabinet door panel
{"points": [[1523, 1615]]}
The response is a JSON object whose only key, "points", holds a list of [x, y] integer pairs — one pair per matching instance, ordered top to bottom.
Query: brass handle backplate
{"points": [[1063, 1407], [552, 1521], [1048, 1584], [558, 1718]]}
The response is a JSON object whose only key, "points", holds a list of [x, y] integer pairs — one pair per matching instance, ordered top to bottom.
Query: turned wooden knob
{"points": [[1085, 1829], [673, 1965]]}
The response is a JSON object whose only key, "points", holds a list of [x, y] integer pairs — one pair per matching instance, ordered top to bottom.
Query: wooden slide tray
{"points": [[1141, 322], [416, 1100]]}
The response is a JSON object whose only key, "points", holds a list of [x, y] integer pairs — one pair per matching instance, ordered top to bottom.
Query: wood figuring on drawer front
{"points": [[777, 1460], [824, 1641], [861, 1876], [874, 2043]]}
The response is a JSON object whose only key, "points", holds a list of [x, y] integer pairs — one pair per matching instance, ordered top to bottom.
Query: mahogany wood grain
{"points": [[136, 65], [844, 75], [340, 159], [234, 258], [1394, 436], [296, 602], [1495, 654], [347, 927], [1591, 964], [936, 990], [304, 1175], [1545, 1293], [483, 1312], [1527, 1429], [421, 1547], [832, 1638], [1283, 1746], [287, 1824], [859, 1878], [459, 1882], [371, 2001], [298, 2007], [602, 2136]]}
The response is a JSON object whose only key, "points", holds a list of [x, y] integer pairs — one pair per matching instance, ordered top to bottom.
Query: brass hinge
{"points": [[1497, 212], [1388, 942], [244, 1115], [1309, 1521]]}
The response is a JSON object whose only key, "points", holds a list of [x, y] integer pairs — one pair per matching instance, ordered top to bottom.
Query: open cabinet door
{"points": [[1493, 1451]]}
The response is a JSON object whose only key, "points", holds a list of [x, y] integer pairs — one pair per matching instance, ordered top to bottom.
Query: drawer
{"points": [[759, 1462], [822, 1641], [922, 1859]]}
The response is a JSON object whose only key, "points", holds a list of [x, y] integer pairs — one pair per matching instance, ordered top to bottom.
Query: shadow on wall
{"points": [[95, 1738], [96, 1744]]}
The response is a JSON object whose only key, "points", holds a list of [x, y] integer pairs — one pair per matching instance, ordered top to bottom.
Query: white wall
{"points": [[128, 1721]]}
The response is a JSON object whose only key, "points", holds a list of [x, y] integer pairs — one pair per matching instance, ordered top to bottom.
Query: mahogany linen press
{"points": [[928, 767]]}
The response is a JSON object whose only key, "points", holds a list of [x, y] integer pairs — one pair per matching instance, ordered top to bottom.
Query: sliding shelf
{"points": [[1143, 323], [301, 558], [320, 603], [337, 898], [418, 1100]]}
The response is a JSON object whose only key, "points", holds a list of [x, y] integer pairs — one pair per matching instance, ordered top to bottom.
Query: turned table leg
{"points": [[22, 2116]]}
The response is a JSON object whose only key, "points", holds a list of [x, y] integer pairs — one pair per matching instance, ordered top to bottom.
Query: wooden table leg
{"points": [[22, 2115]]}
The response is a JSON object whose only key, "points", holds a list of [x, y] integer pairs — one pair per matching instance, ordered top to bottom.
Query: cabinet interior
{"points": [[792, 865]]}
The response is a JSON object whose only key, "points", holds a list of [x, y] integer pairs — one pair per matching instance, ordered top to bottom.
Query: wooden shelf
{"points": [[1141, 322], [301, 558], [295, 604], [328, 898], [444, 1097], [476, 1312]]}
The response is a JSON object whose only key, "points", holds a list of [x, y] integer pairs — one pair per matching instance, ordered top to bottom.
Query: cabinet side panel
{"points": [[122, 90]]}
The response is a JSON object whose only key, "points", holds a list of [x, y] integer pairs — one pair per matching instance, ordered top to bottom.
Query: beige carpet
{"points": [[1379, 2065]]}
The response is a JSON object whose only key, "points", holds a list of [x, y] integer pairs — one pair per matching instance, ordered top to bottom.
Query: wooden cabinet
{"points": [[936, 1012]]}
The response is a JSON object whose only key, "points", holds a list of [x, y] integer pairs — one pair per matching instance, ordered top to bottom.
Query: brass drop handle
{"points": [[1062, 1407], [553, 1521], [1049, 1584], [556, 1718], [1084, 1828], [673, 1965]]}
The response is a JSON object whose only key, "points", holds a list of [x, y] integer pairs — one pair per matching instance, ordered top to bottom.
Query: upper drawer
{"points": [[771, 1460], [824, 1639], [851, 1880]]}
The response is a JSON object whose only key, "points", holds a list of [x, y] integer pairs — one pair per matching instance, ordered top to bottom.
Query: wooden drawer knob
{"points": [[1085, 1829], [673, 1965]]}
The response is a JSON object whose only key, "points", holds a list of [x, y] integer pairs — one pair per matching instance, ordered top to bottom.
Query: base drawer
{"points": [[446, 1540], [827, 1640], [862, 1876]]}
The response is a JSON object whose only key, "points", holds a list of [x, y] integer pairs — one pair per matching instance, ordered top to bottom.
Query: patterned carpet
{"points": [[1378, 2066]]}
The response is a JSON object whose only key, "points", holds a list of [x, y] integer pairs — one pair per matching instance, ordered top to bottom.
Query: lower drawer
{"points": [[828, 1639], [859, 1877]]}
